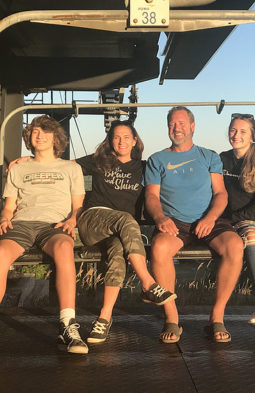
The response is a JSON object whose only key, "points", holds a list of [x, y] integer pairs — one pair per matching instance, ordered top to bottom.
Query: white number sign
{"points": [[149, 13]]}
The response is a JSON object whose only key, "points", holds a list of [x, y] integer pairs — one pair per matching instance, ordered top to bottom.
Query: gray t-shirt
{"points": [[44, 190]]}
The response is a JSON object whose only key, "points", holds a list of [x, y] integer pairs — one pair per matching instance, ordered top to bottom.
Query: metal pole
{"points": [[73, 106]]}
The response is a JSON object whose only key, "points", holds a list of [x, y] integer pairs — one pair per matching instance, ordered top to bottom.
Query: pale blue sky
{"points": [[229, 76]]}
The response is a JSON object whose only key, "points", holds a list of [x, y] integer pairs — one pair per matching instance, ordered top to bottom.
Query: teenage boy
{"points": [[42, 198]]}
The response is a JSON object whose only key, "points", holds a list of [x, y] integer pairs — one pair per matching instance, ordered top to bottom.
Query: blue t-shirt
{"points": [[185, 181]]}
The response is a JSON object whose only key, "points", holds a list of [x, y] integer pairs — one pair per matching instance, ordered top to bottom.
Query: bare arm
{"points": [[17, 161], [152, 199], [217, 207], [7, 214], [70, 223]]}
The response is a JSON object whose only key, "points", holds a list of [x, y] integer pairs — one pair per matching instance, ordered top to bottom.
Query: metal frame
{"points": [[118, 20], [90, 109]]}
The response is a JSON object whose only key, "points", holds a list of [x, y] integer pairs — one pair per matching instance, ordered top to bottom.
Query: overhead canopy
{"points": [[188, 52], [46, 56], [57, 57]]}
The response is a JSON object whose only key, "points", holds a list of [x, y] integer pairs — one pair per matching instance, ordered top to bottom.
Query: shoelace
{"points": [[158, 290], [99, 327], [72, 331]]}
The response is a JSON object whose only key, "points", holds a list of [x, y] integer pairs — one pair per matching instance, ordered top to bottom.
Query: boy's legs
{"points": [[12, 244], [60, 247], [9, 252]]}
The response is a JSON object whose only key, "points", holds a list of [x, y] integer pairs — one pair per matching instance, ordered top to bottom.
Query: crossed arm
{"points": [[205, 225]]}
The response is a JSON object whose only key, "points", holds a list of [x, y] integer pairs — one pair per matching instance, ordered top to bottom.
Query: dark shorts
{"points": [[186, 230], [29, 233]]}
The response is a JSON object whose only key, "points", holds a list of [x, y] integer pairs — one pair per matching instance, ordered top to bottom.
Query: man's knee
{"points": [[163, 243], [229, 246]]}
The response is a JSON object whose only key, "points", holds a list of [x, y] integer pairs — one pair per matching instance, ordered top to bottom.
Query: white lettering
{"points": [[41, 176], [120, 180]]}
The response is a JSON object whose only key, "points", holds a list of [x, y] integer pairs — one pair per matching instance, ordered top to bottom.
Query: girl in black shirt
{"points": [[239, 178]]}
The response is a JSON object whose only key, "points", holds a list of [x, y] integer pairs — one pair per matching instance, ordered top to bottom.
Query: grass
{"points": [[195, 284]]}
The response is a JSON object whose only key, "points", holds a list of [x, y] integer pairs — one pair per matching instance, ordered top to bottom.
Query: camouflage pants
{"points": [[118, 233]]}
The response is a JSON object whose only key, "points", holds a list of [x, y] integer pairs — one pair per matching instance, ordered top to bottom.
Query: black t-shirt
{"points": [[118, 189], [241, 204]]}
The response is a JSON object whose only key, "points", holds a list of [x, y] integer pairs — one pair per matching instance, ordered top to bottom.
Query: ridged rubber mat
{"points": [[131, 360]]}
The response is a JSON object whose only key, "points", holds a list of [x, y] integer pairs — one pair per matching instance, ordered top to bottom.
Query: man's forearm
{"points": [[218, 205], [154, 208]]}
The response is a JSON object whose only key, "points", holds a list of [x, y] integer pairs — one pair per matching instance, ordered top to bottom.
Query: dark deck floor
{"points": [[131, 360]]}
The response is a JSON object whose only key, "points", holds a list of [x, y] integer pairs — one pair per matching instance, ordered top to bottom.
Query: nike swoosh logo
{"points": [[170, 166]]}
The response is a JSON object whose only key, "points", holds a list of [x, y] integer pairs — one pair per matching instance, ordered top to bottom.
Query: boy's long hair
{"points": [[47, 124], [105, 156], [247, 177]]}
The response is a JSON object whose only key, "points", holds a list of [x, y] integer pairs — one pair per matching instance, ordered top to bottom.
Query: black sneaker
{"points": [[157, 295], [100, 330], [69, 338]]}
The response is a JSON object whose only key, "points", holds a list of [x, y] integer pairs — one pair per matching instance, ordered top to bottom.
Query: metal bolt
{"points": [[149, 1], [135, 20], [163, 21]]}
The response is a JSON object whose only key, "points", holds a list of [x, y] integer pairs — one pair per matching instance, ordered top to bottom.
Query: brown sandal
{"points": [[171, 328], [215, 328]]}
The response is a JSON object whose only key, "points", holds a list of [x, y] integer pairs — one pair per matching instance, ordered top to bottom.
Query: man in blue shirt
{"points": [[185, 196]]}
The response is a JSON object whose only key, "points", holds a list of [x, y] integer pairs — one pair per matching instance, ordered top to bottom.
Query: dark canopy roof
{"points": [[46, 56]]}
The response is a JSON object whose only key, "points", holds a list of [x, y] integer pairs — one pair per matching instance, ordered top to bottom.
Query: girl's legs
{"points": [[96, 225], [246, 229], [249, 254], [114, 277]]}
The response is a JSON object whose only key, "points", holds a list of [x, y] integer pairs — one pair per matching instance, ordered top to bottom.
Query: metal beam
{"points": [[118, 20], [76, 108]]}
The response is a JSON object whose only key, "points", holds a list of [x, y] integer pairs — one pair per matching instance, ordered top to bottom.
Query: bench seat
{"points": [[93, 254]]}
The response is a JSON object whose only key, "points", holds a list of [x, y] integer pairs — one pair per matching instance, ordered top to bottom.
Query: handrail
{"points": [[117, 20], [74, 108]]}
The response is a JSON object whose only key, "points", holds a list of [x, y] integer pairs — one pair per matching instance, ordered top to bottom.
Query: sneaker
{"points": [[157, 295], [252, 320], [100, 330], [69, 338]]}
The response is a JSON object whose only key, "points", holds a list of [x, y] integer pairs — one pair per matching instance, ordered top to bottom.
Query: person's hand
{"points": [[17, 161], [4, 224], [166, 225], [67, 226], [204, 227]]}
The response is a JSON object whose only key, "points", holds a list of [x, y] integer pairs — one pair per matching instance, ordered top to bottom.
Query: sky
{"points": [[229, 75]]}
